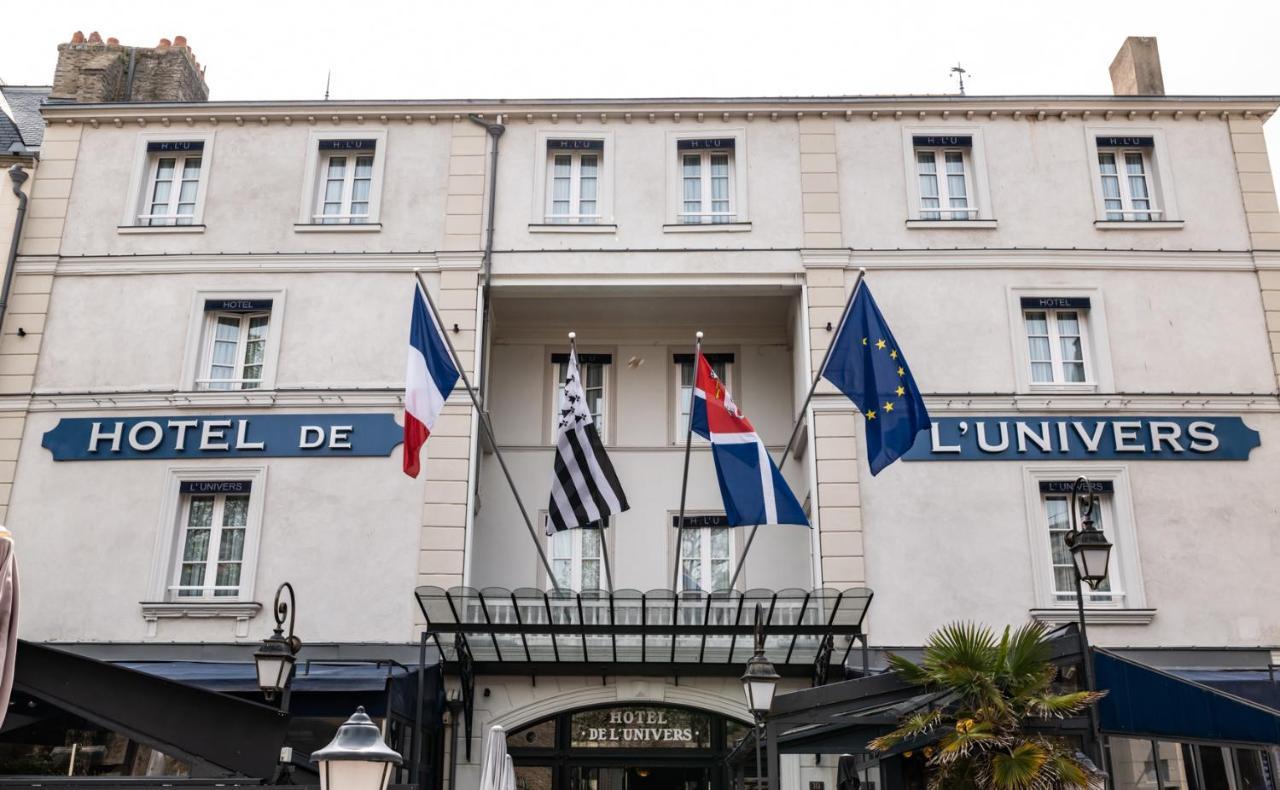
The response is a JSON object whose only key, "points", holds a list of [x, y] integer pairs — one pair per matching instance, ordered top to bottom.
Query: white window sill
{"points": [[951, 224], [1170, 224], [358, 227], [557, 227], [707, 227], [160, 229], [1086, 387], [240, 611], [1094, 616]]}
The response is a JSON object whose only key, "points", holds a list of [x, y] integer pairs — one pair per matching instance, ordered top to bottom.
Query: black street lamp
{"points": [[1090, 555], [275, 659], [758, 683], [357, 758]]}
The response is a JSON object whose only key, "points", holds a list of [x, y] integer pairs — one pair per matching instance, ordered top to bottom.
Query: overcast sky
{"points": [[281, 49]]}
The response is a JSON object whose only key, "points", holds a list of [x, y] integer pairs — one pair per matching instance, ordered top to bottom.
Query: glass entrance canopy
{"points": [[525, 630]]}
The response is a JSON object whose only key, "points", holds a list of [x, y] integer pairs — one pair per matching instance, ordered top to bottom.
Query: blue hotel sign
{"points": [[223, 436], [1008, 438]]}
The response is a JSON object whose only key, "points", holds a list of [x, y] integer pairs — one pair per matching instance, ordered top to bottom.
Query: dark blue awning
{"points": [[1142, 700]]}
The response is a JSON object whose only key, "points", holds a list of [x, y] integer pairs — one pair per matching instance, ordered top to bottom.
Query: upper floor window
{"points": [[1124, 167], [175, 171], [944, 177], [573, 181], [707, 181], [343, 182], [346, 182], [1057, 339], [235, 352], [722, 364], [594, 371], [1056, 499], [213, 521], [577, 559], [706, 559]]}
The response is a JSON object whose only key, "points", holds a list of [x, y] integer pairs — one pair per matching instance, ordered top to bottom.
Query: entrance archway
{"points": [[626, 746]]}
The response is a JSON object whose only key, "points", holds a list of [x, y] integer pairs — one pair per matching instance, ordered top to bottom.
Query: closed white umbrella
{"points": [[8, 618], [494, 767], [509, 776]]}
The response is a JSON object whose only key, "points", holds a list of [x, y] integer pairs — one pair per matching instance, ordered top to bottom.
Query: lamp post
{"points": [[1090, 555], [275, 659], [758, 683], [356, 758]]}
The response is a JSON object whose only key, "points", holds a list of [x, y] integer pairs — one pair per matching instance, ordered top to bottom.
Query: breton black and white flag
{"points": [[584, 490]]}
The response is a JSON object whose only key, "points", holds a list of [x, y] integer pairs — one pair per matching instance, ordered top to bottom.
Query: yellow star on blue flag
{"points": [[877, 378]]}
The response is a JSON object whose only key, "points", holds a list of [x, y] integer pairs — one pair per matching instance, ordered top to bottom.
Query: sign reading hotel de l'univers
{"points": [[223, 436], [1020, 438]]}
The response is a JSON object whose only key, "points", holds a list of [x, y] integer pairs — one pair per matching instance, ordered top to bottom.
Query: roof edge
{"points": [[847, 105]]}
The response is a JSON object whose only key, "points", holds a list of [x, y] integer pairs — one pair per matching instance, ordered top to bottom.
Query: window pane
{"points": [[364, 167], [191, 168], [928, 177], [1110, 185], [692, 187], [1138, 192], [957, 194], [235, 511], [200, 512], [591, 543], [720, 543], [562, 545], [196, 546], [721, 574], [591, 575], [228, 576], [1255, 772]]}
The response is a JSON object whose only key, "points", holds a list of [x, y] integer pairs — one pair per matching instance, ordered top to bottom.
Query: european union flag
{"points": [[868, 365]]}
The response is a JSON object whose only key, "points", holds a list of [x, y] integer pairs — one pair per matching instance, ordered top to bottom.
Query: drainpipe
{"points": [[494, 131], [18, 176]]}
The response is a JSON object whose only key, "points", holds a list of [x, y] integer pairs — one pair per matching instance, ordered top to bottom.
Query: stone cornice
{"points": [[692, 110]]}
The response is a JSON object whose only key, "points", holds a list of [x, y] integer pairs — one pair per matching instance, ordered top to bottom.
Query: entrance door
{"points": [[655, 778]]}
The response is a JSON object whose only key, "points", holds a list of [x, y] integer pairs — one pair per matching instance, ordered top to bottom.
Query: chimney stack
{"points": [[90, 71], [1135, 71]]}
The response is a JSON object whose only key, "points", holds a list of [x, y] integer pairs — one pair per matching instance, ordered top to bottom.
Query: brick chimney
{"points": [[1136, 68], [90, 71]]}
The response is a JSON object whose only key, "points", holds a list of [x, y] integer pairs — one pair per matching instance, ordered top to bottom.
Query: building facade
{"points": [[208, 366]]}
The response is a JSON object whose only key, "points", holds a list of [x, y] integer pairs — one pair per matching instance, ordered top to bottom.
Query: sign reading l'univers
{"points": [[223, 435], [1006, 438]]}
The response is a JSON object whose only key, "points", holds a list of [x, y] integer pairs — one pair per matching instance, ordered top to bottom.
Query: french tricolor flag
{"points": [[428, 382], [751, 486]]}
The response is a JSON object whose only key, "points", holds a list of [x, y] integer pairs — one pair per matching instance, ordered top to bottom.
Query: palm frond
{"points": [[961, 644], [1028, 651], [909, 671], [1058, 706], [916, 724], [1020, 768], [1069, 773]]}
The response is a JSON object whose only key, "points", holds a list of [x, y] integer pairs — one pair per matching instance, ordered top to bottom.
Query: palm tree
{"points": [[991, 688]]}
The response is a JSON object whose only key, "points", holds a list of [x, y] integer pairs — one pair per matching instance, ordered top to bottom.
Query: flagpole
{"points": [[487, 429], [795, 431], [688, 445], [604, 536]]}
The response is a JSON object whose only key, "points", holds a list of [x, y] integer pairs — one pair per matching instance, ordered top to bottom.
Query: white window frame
{"points": [[1159, 172], [346, 202], [311, 205], [137, 207], [944, 211], [980, 211], [706, 213], [574, 215], [740, 217], [540, 219], [212, 320], [1095, 342], [1056, 361], [195, 366], [557, 383], [678, 435], [1118, 524], [171, 532], [575, 538], [704, 549], [207, 591]]}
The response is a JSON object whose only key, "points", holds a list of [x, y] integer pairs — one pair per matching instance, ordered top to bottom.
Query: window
{"points": [[1125, 175], [943, 177], [346, 181], [573, 181], [706, 181], [343, 183], [1133, 184], [171, 195], [1056, 339], [235, 351], [720, 363], [594, 370], [1057, 510], [213, 520], [576, 559], [706, 559], [1120, 599]]}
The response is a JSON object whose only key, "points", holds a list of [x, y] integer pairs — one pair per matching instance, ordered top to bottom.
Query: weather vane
{"points": [[959, 71]]}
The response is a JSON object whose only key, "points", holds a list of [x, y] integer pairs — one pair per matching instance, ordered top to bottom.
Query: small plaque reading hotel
{"points": [[641, 727]]}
